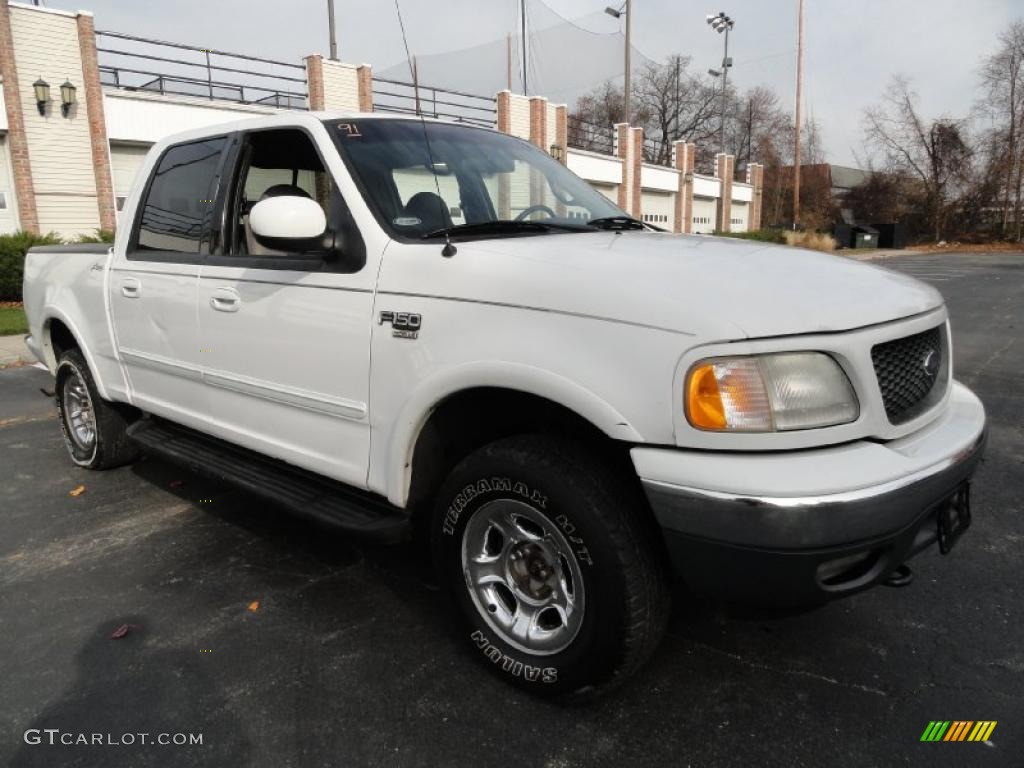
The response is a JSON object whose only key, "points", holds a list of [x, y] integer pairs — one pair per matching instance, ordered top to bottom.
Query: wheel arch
{"points": [[60, 334], [495, 400]]}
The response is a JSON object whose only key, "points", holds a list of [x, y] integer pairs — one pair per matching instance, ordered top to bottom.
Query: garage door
{"points": [[125, 160], [657, 208], [8, 210], [704, 212], [740, 217]]}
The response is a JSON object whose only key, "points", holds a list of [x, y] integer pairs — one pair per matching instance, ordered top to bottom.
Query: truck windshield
{"points": [[426, 180]]}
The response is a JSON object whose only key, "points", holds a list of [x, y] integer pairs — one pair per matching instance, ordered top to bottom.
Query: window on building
{"points": [[119, 201], [3, 202], [175, 213]]}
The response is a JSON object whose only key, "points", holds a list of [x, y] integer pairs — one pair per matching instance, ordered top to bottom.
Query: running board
{"points": [[299, 490]]}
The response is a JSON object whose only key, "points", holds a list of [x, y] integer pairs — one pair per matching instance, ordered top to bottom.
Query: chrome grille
{"points": [[911, 373]]}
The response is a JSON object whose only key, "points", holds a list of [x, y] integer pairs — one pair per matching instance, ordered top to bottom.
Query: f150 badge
{"points": [[404, 325]]}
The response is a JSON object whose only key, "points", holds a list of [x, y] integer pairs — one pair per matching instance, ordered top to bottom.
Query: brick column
{"points": [[365, 74], [315, 81], [503, 102], [539, 122], [97, 123], [562, 131], [637, 136], [539, 138], [629, 144], [622, 152], [684, 154], [21, 167], [724, 173], [755, 178]]}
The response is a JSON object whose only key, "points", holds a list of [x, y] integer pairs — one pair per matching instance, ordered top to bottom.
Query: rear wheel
{"points": [[95, 431], [554, 564]]}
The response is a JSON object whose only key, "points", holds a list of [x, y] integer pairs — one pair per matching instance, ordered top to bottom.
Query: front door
{"points": [[155, 276], [285, 337]]}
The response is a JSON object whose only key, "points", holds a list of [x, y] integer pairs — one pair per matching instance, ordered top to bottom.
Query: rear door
{"points": [[154, 279], [285, 336]]}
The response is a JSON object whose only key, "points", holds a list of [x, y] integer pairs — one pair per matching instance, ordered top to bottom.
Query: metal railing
{"points": [[204, 73], [430, 101], [596, 138], [657, 152]]}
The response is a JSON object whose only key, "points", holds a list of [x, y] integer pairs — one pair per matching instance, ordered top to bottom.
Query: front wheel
{"points": [[553, 561]]}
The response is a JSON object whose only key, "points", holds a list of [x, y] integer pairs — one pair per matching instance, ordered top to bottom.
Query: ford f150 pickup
{"points": [[414, 328]]}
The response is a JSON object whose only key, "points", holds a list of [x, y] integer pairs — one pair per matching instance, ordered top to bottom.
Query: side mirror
{"points": [[288, 223]]}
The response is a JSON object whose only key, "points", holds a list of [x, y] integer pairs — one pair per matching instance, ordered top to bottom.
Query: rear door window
{"points": [[176, 211]]}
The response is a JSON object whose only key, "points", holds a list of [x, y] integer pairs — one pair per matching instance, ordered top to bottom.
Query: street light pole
{"points": [[626, 9], [720, 22], [725, 83]]}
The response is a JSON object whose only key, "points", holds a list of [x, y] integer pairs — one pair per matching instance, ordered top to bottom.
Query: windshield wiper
{"points": [[616, 222], [499, 227]]}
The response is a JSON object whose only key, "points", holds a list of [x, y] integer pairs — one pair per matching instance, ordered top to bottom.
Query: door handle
{"points": [[131, 288], [225, 300]]}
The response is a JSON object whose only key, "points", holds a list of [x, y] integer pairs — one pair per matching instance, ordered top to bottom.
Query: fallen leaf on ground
{"points": [[176, 483], [78, 490], [254, 606], [121, 631]]}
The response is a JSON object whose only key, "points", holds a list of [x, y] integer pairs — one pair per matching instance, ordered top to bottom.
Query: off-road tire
{"points": [[110, 446], [602, 516]]}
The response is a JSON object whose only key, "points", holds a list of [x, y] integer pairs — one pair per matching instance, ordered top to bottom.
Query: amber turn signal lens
{"points": [[703, 400]]}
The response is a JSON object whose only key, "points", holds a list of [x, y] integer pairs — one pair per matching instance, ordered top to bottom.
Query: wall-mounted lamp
{"points": [[42, 89], [67, 97], [557, 152]]}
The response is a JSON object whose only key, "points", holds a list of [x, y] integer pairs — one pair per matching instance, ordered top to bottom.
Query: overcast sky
{"points": [[852, 45]]}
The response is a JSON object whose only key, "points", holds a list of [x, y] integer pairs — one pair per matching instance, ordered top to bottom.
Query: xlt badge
{"points": [[404, 325]]}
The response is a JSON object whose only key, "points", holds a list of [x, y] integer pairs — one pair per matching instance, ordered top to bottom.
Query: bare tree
{"points": [[1002, 77], [669, 102], [675, 105], [757, 123], [936, 153]]}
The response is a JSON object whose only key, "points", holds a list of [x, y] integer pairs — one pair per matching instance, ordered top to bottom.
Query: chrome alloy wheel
{"points": [[78, 411], [523, 576]]}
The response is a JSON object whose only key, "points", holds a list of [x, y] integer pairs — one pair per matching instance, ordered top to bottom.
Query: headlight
{"points": [[768, 393]]}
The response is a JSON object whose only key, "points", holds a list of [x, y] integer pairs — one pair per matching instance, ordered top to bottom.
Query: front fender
{"points": [[422, 402]]}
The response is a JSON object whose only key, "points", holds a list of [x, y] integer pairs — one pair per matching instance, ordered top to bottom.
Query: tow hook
{"points": [[903, 576]]}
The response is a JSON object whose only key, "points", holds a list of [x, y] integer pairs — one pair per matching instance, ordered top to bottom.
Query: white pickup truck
{"points": [[407, 327]]}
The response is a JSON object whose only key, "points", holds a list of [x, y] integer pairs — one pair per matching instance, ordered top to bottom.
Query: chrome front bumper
{"points": [[766, 525]]}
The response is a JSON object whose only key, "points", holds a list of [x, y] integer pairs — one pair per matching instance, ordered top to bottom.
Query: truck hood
{"points": [[705, 286]]}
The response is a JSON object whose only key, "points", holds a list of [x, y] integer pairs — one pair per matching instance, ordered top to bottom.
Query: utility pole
{"points": [[522, 19], [331, 30], [508, 61], [628, 87], [798, 111]]}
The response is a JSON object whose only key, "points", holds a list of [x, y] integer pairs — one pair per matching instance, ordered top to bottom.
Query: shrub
{"points": [[760, 235], [98, 236], [815, 241], [12, 260]]}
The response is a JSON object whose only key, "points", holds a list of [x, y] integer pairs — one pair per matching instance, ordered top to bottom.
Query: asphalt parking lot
{"points": [[284, 645]]}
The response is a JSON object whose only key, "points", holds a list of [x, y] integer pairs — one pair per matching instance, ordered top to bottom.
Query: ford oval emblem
{"points": [[930, 363]]}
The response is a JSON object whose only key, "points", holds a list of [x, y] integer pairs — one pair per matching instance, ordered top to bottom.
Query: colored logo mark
{"points": [[958, 730]]}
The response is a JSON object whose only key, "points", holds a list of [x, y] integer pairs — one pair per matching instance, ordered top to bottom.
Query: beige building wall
{"points": [[46, 45], [341, 86], [519, 114]]}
